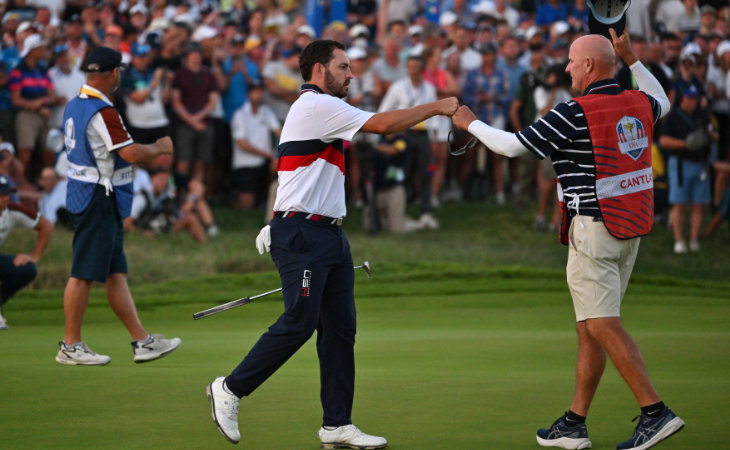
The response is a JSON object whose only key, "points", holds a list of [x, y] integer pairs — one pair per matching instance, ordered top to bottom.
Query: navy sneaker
{"points": [[652, 430], [561, 435]]}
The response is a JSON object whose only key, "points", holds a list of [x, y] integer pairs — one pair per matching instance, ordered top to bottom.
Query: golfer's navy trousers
{"points": [[317, 276]]}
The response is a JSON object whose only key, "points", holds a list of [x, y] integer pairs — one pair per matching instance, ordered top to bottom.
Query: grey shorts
{"points": [[192, 145], [599, 268]]}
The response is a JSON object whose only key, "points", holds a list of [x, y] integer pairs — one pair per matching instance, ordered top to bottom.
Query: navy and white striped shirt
{"points": [[563, 135]]}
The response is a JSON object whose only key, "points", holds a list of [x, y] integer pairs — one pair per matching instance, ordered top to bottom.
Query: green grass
{"points": [[465, 340], [448, 357]]}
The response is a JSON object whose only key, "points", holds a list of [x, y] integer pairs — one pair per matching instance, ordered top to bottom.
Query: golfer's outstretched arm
{"points": [[389, 122], [496, 140]]}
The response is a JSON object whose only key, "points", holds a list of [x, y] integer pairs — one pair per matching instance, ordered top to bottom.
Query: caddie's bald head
{"points": [[591, 58]]}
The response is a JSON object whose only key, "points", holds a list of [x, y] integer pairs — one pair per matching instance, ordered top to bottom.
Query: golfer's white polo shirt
{"points": [[311, 159]]}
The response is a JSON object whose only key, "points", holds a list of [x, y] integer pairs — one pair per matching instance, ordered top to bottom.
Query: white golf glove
{"points": [[263, 240]]}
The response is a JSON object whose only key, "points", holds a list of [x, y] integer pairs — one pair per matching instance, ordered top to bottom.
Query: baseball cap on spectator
{"points": [[139, 8], [487, 8], [708, 9], [76, 18], [448, 18], [184, 20], [159, 23], [337, 25], [468, 25], [24, 26], [559, 27], [114, 30], [307, 30], [359, 30], [415, 30], [204, 32], [532, 32], [238, 39], [32, 42], [252, 42], [361, 42], [191, 47], [487, 47], [723, 47], [61, 48], [139, 49], [690, 51], [288, 52], [356, 53], [102, 59], [255, 83], [691, 91], [7, 147], [5, 186]]}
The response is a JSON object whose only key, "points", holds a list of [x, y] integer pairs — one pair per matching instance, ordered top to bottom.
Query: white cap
{"points": [[139, 8], [487, 8], [448, 18], [159, 23], [24, 26], [559, 27], [306, 29], [359, 29], [415, 29], [204, 32], [531, 32], [31, 42], [361, 42], [723, 47], [689, 50], [356, 53], [7, 146]]}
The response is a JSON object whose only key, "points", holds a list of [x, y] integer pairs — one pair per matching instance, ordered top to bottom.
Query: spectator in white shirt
{"points": [[252, 127]]}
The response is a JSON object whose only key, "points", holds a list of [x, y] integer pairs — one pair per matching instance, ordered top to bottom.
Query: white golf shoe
{"points": [[3, 323], [154, 347], [79, 354], [225, 409], [349, 436]]}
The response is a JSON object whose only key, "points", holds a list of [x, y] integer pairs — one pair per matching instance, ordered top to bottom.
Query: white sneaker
{"points": [[501, 198], [435, 202], [429, 221], [410, 225], [213, 230], [694, 246], [680, 247], [3, 323], [155, 346], [80, 354], [225, 409], [349, 436]]}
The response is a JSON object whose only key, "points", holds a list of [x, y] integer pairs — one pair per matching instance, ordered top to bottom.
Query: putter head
{"points": [[460, 151], [366, 267]]}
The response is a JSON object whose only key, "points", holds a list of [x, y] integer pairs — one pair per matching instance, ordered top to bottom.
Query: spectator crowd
{"points": [[219, 77]]}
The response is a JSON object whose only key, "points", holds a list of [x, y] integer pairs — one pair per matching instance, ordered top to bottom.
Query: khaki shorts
{"points": [[31, 130], [599, 268]]}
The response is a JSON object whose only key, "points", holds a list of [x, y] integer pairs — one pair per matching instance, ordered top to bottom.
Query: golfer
{"points": [[599, 144], [100, 153], [310, 249]]}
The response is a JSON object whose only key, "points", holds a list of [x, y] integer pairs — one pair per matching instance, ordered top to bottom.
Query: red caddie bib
{"points": [[621, 128]]}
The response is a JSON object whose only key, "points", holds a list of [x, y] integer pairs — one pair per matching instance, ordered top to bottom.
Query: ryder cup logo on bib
{"points": [[632, 138]]}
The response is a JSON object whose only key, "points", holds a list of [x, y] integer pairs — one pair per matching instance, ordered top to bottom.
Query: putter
{"points": [[460, 151], [242, 301]]}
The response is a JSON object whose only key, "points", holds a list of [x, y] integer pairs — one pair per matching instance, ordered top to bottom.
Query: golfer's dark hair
{"points": [[320, 51]]}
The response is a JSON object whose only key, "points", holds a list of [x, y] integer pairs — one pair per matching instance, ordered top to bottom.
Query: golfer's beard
{"points": [[338, 90]]}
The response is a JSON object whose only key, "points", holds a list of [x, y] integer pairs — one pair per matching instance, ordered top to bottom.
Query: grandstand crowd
{"points": [[219, 77]]}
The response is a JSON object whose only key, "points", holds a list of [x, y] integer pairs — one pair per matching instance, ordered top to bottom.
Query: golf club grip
{"points": [[223, 307]]}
